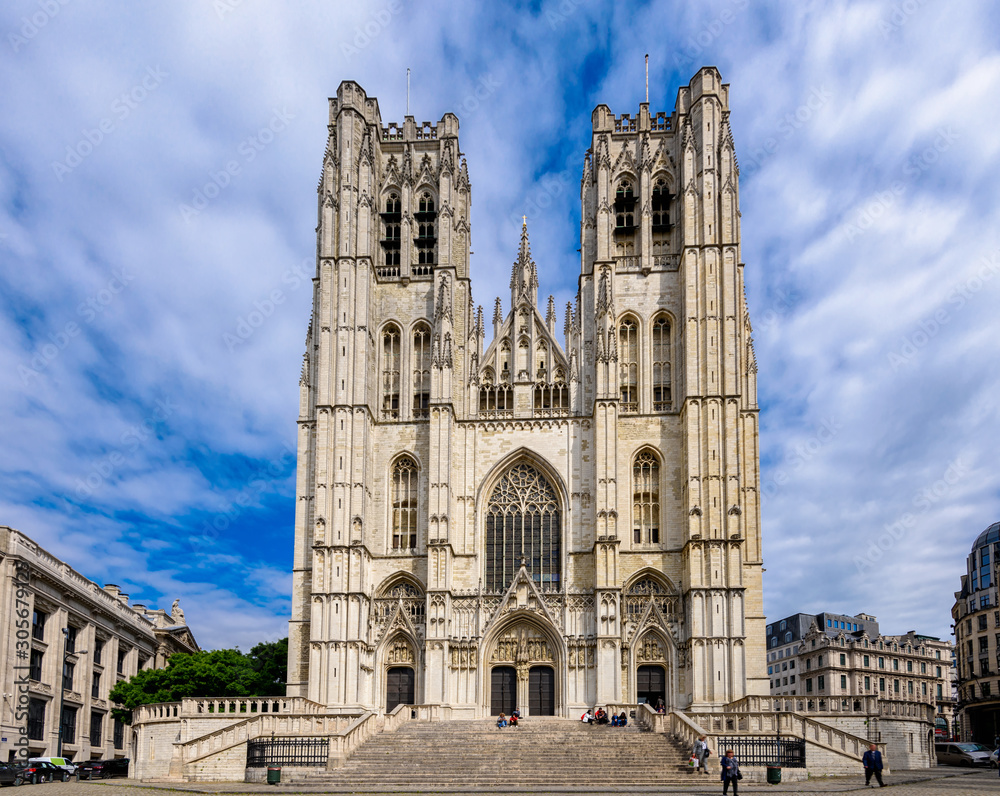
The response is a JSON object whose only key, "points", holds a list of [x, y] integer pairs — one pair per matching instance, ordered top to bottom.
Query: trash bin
{"points": [[274, 775], [774, 775]]}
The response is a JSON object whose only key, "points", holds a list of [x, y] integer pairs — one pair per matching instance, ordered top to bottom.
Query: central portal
{"points": [[503, 693]]}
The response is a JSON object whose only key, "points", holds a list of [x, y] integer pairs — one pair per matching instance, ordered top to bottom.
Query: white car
{"points": [[993, 758], [59, 762]]}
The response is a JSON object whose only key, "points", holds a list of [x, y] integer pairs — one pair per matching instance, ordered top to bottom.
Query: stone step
{"points": [[541, 752]]}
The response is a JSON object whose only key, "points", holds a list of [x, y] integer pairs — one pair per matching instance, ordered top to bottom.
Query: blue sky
{"points": [[147, 429]]}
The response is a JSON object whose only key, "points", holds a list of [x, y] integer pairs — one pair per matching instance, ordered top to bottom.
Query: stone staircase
{"points": [[539, 753]]}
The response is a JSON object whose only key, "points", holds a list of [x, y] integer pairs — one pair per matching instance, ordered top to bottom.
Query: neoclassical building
{"points": [[522, 517]]}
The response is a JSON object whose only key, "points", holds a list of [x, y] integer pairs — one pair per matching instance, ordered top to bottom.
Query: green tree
{"points": [[219, 673]]}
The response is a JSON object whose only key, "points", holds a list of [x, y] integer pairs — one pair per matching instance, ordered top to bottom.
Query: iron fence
{"points": [[765, 750], [264, 752]]}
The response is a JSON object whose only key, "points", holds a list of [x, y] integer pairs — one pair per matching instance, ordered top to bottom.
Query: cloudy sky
{"points": [[150, 445]]}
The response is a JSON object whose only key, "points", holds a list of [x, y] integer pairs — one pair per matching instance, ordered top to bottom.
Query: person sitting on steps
{"points": [[501, 721]]}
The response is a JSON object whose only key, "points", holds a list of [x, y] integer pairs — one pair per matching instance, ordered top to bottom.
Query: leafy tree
{"points": [[219, 673]]}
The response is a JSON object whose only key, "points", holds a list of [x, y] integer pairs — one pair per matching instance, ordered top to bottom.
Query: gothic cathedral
{"points": [[529, 519]]}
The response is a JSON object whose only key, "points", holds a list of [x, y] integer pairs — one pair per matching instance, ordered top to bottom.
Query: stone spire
{"points": [[524, 276], [550, 316], [497, 318]]}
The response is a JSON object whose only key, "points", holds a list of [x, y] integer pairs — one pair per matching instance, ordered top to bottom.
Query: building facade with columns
{"points": [[529, 519], [66, 642]]}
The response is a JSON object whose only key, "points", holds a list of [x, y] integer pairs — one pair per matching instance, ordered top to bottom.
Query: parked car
{"points": [[962, 754], [993, 758], [60, 762], [103, 769], [42, 771], [9, 774]]}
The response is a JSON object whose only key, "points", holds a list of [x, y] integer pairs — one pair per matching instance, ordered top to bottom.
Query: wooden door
{"points": [[651, 684], [399, 687], [541, 691], [503, 696]]}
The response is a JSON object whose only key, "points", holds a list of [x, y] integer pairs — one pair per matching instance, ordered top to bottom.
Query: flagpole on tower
{"points": [[647, 78], [408, 90]]}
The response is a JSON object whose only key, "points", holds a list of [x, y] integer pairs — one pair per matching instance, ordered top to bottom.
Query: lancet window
{"points": [[660, 206], [624, 208], [426, 221], [391, 222], [628, 360], [421, 371], [390, 372], [662, 398], [495, 400], [646, 498], [404, 503], [523, 525]]}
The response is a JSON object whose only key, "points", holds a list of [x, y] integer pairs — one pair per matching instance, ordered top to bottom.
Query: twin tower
{"points": [[533, 517]]}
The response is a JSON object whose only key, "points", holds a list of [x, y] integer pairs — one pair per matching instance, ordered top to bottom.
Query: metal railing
{"points": [[763, 750], [263, 752]]}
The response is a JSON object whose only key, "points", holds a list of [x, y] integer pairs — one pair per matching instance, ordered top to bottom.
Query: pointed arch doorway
{"points": [[541, 691]]}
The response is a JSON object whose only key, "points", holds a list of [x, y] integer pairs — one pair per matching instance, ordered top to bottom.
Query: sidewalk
{"points": [[921, 782]]}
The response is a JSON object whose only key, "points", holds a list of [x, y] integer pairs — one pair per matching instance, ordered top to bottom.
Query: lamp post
{"points": [[61, 687]]}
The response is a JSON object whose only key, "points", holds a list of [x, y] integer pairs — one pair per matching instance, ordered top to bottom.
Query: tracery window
{"points": [[660, 205], [624, 207], [426, 221], [391, 222], [628, 359], [661, 364], [421, 371], [390, 372], [646, 499], [404, 504], [523, 523]]}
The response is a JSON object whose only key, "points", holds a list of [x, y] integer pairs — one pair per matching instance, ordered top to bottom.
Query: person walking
{"points": [[701, 752], [872, 761], [730, 772]]}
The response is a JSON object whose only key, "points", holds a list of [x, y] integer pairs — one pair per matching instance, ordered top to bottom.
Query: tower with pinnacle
{"points": [[525, 519]]}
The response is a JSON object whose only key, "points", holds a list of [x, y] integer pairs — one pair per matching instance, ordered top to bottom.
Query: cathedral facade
{"points": [[526, 518]]}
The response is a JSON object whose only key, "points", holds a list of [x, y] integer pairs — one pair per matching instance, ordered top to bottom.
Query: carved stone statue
{"points": [[177, 613]]}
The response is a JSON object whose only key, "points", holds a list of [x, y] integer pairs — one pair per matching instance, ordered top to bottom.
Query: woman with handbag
{"points": [[701, 753], [730, 773]]}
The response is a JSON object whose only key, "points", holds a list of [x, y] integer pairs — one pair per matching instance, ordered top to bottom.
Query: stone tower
{"points": [[532, 522]]}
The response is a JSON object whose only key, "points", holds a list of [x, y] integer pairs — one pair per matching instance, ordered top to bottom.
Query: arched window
{"points": [[660, 206], [624, 207], [391, 221], [426, 222], [628, 360], [661, 364], [421, 371], [390, 372], [646, 499], [404, 504], [522, 524], [788, 637]]}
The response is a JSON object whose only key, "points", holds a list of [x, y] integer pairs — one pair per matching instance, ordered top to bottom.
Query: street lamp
{"points": [[61, 687]]}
